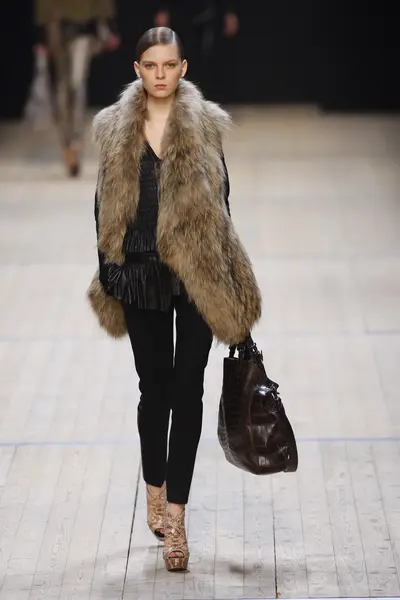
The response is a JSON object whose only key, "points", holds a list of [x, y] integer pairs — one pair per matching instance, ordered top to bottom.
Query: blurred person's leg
{"points": [[59, 45], [80, 54], [71, 56], [62, 94]]}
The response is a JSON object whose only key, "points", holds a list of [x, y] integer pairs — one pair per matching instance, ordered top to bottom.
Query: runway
{"points": [[315, 199]]}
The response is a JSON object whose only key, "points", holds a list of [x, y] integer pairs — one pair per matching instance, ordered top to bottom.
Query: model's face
{"points": [[161, 68]]}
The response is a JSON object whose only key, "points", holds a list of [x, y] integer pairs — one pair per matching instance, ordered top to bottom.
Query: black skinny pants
{"points": [[170, 386]]}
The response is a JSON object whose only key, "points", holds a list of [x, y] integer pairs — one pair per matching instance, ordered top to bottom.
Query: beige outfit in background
{"points": [[72, 51]]}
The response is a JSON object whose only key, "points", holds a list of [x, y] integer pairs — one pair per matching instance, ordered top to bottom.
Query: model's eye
{"points": [[171, 65], [148, 66]]}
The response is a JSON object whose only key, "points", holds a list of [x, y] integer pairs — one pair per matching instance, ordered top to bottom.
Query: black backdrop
{"points": [[341, 55]]}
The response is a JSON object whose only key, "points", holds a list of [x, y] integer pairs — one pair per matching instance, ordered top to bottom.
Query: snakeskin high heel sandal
{"points": [[156, 503], [176, 552]]}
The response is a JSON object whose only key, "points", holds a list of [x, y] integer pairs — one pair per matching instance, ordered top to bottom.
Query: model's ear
{"points": [[137, 68], [184, 68]]}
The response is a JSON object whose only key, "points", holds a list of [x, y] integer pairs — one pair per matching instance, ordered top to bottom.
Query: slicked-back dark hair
{"points": [[157, 36]]}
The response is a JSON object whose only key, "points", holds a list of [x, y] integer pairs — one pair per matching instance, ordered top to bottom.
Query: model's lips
{"points": [[161, 86]]}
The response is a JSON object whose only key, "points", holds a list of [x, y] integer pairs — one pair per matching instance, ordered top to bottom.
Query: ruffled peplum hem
{"points": [[149, 285]]}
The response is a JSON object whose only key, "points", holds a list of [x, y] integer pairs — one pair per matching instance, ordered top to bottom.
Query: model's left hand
{"points": [[231, 24], [113, 43]]}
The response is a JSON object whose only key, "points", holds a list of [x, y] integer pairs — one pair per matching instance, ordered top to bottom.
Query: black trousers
{"points": [[171, 385]]}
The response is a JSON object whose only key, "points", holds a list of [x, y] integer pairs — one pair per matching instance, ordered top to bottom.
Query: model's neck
{"points": [[159, 108]]}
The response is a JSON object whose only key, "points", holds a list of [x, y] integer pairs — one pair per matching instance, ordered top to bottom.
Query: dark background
{"points": [[338, 55]]}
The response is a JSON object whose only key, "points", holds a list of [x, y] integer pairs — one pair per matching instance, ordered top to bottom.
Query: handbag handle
{"points": [[246, 348]]}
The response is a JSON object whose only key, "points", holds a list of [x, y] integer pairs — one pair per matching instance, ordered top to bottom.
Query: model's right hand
{"points": [[162, 18]]}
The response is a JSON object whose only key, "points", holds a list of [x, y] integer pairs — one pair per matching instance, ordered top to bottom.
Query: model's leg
{"points": [[151, 336], [193, 344]]}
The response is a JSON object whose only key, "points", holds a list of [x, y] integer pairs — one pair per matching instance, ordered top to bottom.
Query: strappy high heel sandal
{"points": [[156, 503], [176, 552]]}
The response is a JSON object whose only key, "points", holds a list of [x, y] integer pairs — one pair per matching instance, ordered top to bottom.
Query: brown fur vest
{"points": [[195, 235]]}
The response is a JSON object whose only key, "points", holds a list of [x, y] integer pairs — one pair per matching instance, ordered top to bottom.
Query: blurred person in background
{"points": [[199, 23], [69, 32]]}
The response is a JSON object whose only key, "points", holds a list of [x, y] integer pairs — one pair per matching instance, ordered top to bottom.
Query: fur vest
{"points": [[195, 235]]}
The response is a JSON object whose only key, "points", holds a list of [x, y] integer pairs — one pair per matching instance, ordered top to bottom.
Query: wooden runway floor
{"points": [[316, 200]]}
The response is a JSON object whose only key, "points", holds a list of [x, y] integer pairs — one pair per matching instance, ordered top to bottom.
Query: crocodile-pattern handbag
{"points": [[253, 429]]}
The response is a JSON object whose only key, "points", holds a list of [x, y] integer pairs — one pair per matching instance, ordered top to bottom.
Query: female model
{"points": [[167, 246]]}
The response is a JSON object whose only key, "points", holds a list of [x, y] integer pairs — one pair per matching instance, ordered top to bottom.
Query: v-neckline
{"points": [[152, 151]]}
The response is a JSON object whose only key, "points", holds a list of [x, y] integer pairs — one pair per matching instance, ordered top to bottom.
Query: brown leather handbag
{"points": [[253, 429]]}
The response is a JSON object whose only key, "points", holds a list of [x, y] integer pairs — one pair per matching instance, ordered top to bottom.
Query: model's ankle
{"points": [[154, 488], [175, 509]]}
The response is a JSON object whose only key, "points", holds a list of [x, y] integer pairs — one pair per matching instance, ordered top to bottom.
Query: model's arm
{"points": [[231, 24], [107, 29], [227, 186], [104, 267], [102, 270]]}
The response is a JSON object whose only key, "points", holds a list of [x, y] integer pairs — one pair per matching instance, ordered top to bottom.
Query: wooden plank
{"points": [[7, 454], [386, 462], [13, 501], [317, 526], [346, 535], [29, 536], [204, 537], [259, 544], [54, 552], [112, 552], [378, 552], [79, 567], [141, 568], [291, 572]]}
